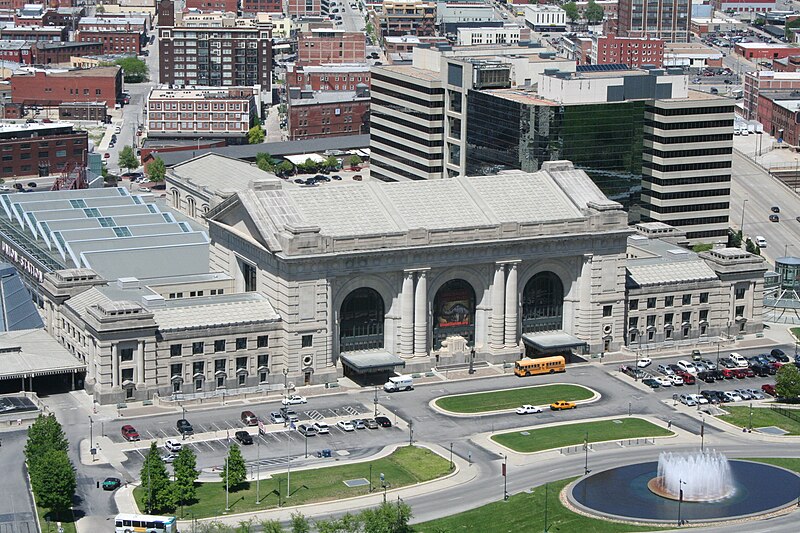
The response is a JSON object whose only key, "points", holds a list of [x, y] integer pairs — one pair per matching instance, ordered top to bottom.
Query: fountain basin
{"points": [[622, 494]]}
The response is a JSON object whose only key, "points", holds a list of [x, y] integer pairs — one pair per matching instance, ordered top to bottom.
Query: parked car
{"points": [[775, 209], [774, 218], [776, 352], [696, 355], [644, 362], [727, 363], [700, 366], [675, 368], [664, 369], [706, 376], [688, 379], [676, 380], [664, 381], [652, 383], [768, 389], [744, 394], [755, 394], [732, 396], [686, 399], [699, 399], [294, 400], [560, 405], [528, 409], [288, 414], [249, 418], [276, 418], [383, 422], [371, 423], [358, 424], [345, 425], [184, 427], [322, 427], [307, 430], [129, 433], [244, 437], [173, 445], [169, 458], [111, 483]]}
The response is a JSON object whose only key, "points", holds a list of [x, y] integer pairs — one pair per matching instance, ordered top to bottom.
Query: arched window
{"points": [[176, 198], [190, 207], [542, 303], [454, 312], [361, 321]]}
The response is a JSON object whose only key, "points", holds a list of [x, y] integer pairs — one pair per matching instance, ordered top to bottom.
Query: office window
{"points": [[740, 292], [703, 297], [686, 299], [669, 301], [651, 303], [633, 305], [607, 310], [262, 341], [307, 341], [241, 343], [219, 345], [197, 348], [175, 350], [126, 354], [241, 363], [220, 365], [198, 367], [176, 370]]}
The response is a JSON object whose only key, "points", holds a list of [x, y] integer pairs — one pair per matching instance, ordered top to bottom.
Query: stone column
{"points": [[498, 305], [511, 305], [421, 314], [407, 316], [91, 365], [140, 365], [114, 367]]}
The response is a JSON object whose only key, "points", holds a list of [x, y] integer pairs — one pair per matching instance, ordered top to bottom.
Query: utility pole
{"points": [[375, 402], [410, 432], [91, 438], [586, 452], [258, 468], [505, 477], [227, 487], [545, 508]]}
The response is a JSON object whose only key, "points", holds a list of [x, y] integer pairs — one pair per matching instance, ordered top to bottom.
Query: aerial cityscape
{"points": [[399, 266]]}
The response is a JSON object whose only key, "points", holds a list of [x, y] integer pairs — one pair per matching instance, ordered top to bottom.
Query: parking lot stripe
{"points": [[151, 435]]}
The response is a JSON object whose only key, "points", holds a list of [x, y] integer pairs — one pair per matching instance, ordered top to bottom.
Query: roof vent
{"points": [[128, 283]]}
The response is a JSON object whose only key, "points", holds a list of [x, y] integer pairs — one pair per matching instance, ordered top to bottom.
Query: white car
{"points": [[644, 362], [687, 366], [676, 380], [664, 382], [732, 396], [687, 399], [699, 399], [294, 400], [528, 409], [345, 425], [322, 427], [173, 446], [170, 458]]}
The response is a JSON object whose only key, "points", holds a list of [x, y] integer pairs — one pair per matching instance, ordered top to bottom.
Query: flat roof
{"points": [[771, 46], [412, 72], [200, 93], [329, 97], [218, 174], [555, 340], [33, 352], [371, 361]]}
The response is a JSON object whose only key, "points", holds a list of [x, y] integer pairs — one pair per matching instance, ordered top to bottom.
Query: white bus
{"points": [[142, 523]]}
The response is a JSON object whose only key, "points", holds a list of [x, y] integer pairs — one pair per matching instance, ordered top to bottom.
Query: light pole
{"points": [[717, 355], [472, 361], [285, 382], [375, 402], [183, 415], [750, 419], [410, 432], [702, 434], [91, 438], [586, 454], [451, 456], [258, 469], [505, 477], [681, 483], [383, 485], [227, 487]]}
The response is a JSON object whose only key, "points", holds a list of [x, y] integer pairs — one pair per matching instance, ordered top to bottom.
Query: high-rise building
{"points": [[408, 17], [663, 19]]}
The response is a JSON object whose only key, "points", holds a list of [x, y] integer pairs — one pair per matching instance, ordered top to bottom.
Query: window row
{"points": [[669, 301], [199, 347]]}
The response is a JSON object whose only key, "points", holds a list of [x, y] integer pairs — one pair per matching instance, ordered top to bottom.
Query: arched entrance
{"points": [[543, 303], [454, 312], [361, 321]]}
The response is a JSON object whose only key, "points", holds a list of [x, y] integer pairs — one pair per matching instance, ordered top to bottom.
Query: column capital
{"points": [[512, 262], [420, 270]]}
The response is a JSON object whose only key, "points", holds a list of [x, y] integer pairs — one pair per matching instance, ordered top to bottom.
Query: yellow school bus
{"points": [[543, 365]]}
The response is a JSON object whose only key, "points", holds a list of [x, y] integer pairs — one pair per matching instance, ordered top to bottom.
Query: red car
{"points": [[729, 373], [740, 373], [688, 379], [769, 389], [129, 433]]}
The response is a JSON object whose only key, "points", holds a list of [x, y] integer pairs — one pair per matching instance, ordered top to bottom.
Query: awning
{"points": [[557, 340], [371, 361]]}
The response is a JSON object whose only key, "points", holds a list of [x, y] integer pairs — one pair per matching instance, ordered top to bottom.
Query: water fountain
{"points": [[702, 476]]}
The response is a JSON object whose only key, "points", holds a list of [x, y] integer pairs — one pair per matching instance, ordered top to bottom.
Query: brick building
{"points": [[208, 6], [262, 6], [304, 8], [64, 16], [408, 17], [662, 19], [127, 24], [35, 33], [113, 42], [320, 46], [215, 50], [16, 51], [631, 51], [756, 51], [60, 53], [786, 64], [329, 77], [757, 81], [100, 84], [96, 111], [202, 112], [328, 113], [779, 113], [40, 149]]}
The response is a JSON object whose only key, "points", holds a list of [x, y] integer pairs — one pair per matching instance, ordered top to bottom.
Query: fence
{"points": [[794, 414], [625, 443]]}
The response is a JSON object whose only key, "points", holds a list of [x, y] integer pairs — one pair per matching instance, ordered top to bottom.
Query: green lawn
{"points": [[795, 332], [509, 399], [762, 417], [573, 434], [790, 463], [406, 466], [524, 512], [68, 523]]}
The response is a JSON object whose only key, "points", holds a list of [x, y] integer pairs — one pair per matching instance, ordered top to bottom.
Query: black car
{"points": [[336, 177], [299, 180], [775, 209], [774, 218], [780, 355], [727, 363], [760, 370], [716, 374], [706, 376], [650, 382], [383, 421], [184, 427], [244, 437], [111, 483]]}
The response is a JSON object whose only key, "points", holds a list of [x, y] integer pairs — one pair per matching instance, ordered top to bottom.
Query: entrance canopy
{"points": [[552, 341], [371, 361]]}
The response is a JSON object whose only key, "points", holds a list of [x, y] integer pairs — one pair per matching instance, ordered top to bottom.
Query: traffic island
{"points": [[485, 403]]}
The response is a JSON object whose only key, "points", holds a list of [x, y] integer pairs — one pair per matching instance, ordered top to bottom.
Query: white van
{"points": [[761, 241], [740, 361], [687, 366], [399, 383]]}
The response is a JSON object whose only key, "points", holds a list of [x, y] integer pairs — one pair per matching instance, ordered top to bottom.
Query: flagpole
{"points": [[288, 464]]}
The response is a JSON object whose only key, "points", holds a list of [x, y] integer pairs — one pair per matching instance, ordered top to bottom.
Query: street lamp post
{"points": [[744, 204], [472, 361], [375, 402], [183, 415], [750, 419], [410, 432], [586, 454], [451, 456], [258, 469], [505, 477], [681, 483], [227, 487]]}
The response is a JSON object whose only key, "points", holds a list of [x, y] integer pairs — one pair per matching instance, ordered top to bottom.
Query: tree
{"points": [[100, 9], [571, 11], [594, 13], [133, 69], [255, 135], [127, 158], [354, 160], [266, 162], [332, 162], [284, 168], [156, 170], [734, 239], [702, 247], [751, 247], [787, 383], [45, 434], [235, 470], [186, 473], [53, 481], [158, 494], [391, 518], [300, 523], [271, 526]]}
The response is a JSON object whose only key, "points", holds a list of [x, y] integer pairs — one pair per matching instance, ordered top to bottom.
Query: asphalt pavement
{"points": [[16, 506]]}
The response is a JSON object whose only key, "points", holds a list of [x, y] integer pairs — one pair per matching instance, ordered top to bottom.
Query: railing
{"points": [[222, 393], [794, 414], [625, 443]]}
